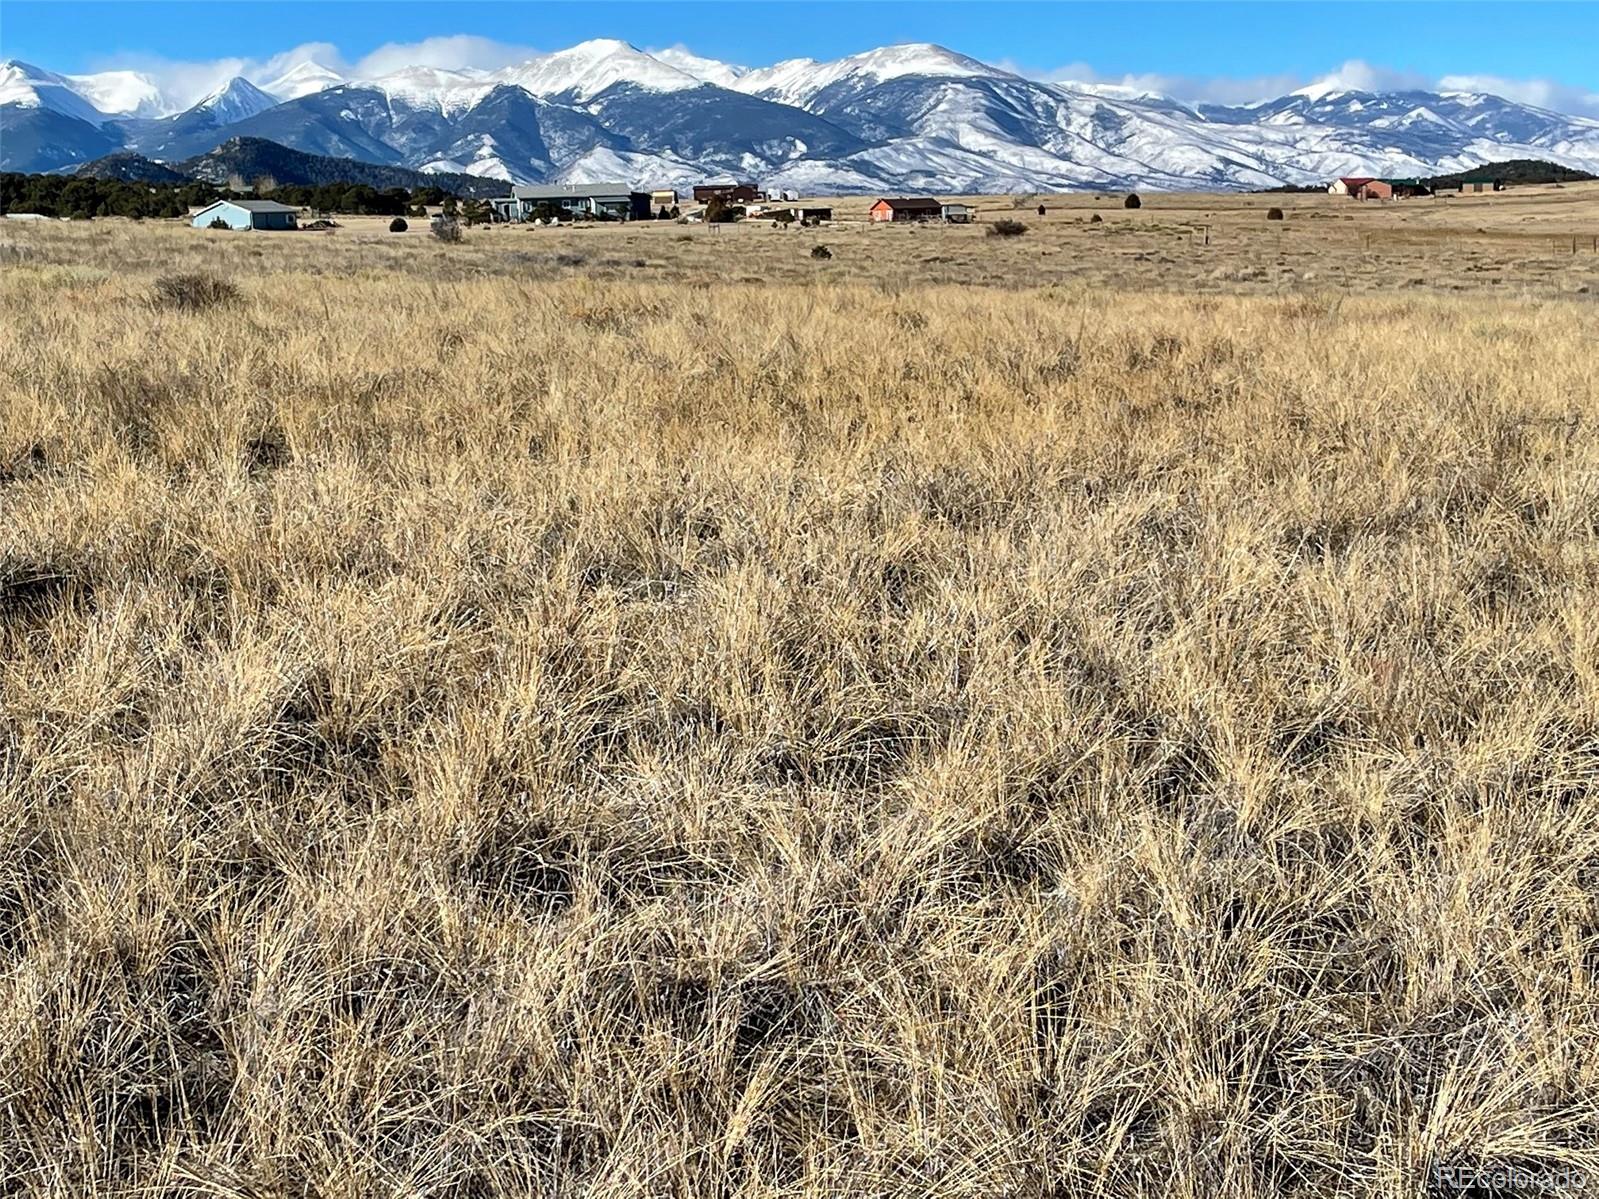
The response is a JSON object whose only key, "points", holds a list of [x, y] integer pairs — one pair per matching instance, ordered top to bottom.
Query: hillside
{"points": [[250, 158], [128, 167], [1516, 171]]}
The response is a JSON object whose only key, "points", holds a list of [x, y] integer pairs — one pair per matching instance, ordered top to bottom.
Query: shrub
{"points": [[1132, 201], [1040, 210], [719, 212], [1274, 214], [783, 216], [1096, 219], [219, 223], [398, 225], [447, 229], [1006, 229], [821, 252], [195, 292]]}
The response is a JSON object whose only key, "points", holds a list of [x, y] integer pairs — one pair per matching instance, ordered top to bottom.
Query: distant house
{"points": [[1481, 183], [1362, 187], [731, 193], [608, 201], [906, 208], [247, 214], [956, 214]]}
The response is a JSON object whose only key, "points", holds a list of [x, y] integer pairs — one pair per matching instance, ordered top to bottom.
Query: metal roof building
{"points": [[247, 214]]}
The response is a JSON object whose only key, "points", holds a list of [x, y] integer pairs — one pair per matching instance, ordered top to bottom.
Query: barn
{"points": [[906, 208], [247, 214]]}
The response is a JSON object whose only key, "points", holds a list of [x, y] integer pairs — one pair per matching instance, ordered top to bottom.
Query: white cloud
{"points": [[456, 53], [183, 83], [1543, 93]]}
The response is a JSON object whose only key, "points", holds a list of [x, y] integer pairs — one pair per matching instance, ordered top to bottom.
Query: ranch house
{"points": [[1361, 187], [608, 201], [906, 208], [247, 214]]}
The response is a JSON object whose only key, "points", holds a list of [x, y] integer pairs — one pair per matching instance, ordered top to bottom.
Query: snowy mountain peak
{"points": [[588, 68], [707, 70], [303, 79], [798, 81], [1322, 89], [90, 98], [235, 100], [913, 117]]}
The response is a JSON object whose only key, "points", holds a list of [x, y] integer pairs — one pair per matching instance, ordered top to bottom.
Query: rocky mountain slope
{"points": [[910, 117]]}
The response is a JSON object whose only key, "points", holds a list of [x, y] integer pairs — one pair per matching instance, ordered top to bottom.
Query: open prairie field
{"points": [[1540, 241], [646, 712]]}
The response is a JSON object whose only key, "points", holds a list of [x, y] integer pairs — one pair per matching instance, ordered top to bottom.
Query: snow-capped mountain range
{"points": [[903, 118]]}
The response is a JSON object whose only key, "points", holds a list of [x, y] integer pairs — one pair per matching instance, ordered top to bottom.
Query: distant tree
{"points": [[1132, 201], [449, 206], [1040, 210], [475, 212], [719, 212], [675, 213], [663, 215], [219, 223], [398, 225]]}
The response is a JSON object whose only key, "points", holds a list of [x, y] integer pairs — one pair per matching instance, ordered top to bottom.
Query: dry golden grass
{"points": [[468, 731]]}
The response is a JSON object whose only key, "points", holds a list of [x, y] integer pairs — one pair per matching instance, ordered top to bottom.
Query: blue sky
{"points": [[1538, 52]]}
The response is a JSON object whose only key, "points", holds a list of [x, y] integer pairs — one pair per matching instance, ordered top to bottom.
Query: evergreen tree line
{"points": [[84, 198]]}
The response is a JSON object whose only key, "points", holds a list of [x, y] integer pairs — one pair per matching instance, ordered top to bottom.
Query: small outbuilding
{"points": [[1481, 183], [906, 208], [247, 214], [957, 214]]}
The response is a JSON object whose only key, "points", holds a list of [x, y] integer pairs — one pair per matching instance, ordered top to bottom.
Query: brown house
{"points": [[1360, 187], [733, 193], [907, 208]]}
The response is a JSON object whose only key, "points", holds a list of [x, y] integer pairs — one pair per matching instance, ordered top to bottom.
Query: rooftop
{"points": [[563, 191], [260, 205]]}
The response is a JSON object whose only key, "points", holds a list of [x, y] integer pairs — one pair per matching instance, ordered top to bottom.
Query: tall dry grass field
{"points": [[470, 732]]}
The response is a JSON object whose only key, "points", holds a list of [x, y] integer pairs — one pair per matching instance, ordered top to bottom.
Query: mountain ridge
{"points": [[911, 116]]}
